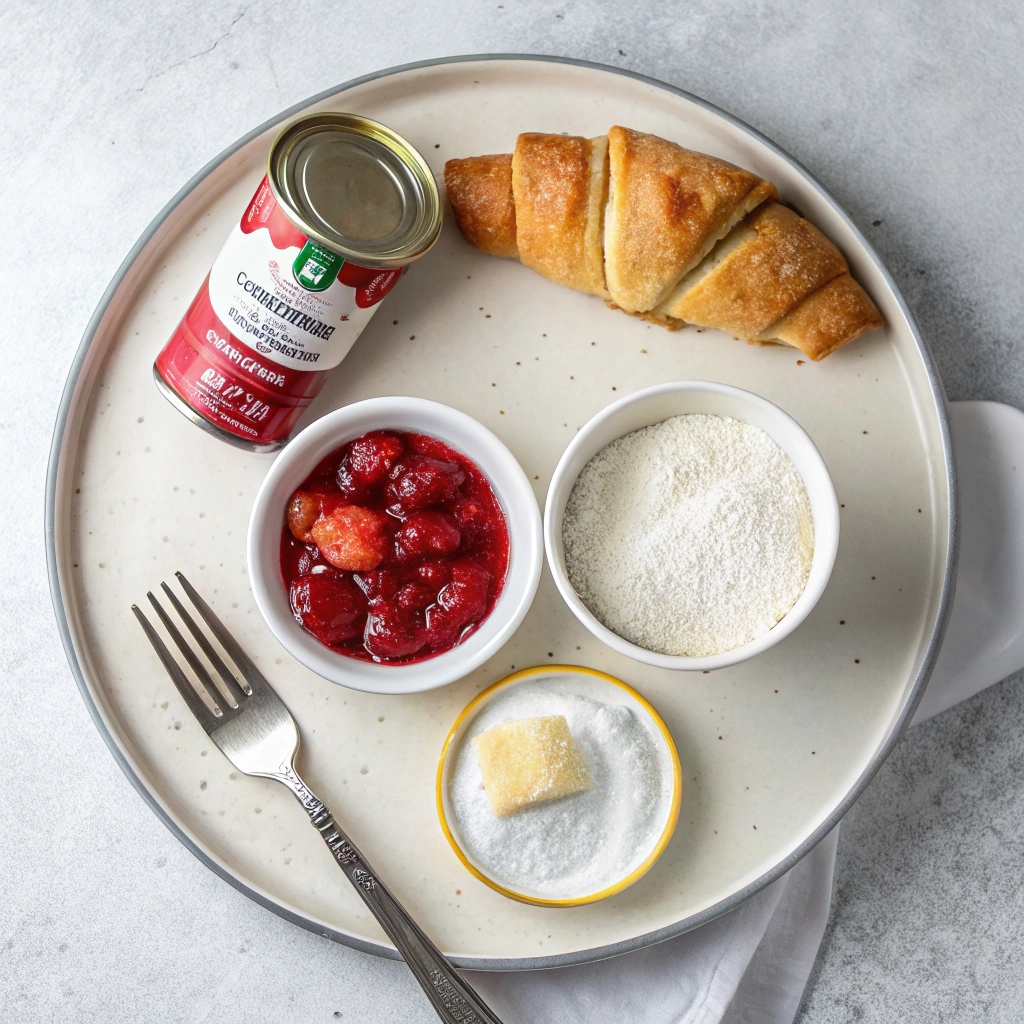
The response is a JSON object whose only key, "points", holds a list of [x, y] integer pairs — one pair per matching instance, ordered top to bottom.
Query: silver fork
{"points": [[257, 734]]}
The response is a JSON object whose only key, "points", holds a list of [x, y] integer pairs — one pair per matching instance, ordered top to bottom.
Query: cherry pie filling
{"points": [[394, 549]]}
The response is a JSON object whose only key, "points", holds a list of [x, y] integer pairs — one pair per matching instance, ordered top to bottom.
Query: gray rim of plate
{"points": [[581, 956]]}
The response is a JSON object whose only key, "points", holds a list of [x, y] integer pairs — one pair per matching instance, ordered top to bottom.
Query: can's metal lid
{"points": [[357, 188]]}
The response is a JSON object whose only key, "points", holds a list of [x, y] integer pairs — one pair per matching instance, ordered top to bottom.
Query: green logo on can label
{"points": [[316, 268]]}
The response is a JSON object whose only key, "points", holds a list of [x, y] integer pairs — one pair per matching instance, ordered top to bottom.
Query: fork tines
{"points": [[226, 699]]}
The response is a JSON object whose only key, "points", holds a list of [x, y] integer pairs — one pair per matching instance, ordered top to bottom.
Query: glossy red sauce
{"points": [[394, 549]]}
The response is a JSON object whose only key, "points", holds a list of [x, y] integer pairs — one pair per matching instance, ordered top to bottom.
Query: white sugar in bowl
{"points": [[655, 405], [575, 849]]}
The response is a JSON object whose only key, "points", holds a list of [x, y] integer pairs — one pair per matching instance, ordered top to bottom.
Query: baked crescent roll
{"points": [[560, 186], [480, 191], [667, 207], [663, 233], [761, 271], [826, 319]]}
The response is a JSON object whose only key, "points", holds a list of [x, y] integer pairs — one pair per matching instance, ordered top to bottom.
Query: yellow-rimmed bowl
{"points": [[586, 682]]}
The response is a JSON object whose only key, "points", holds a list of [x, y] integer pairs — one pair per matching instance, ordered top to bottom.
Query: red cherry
{"points": [[355, 276], [377, 287], [371, 456], [418, 481], [351, 489], [329, 499], [302, 512], [474, 519], [425, 535], [352, 538], [297, 559], [308, 559], [434, 574], [380, 583], [414, 597], [462, 602], [328, 605], [389, 634]]}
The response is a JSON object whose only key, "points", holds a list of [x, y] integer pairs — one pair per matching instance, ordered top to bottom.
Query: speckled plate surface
{"points": [[773, 751]]}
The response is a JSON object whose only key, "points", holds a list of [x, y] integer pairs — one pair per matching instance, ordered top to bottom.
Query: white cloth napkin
{"points": [[751, 966]]}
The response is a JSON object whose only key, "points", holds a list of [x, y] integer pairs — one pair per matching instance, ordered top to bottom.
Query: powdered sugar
{"points": [[689, 537], [578, 844]]}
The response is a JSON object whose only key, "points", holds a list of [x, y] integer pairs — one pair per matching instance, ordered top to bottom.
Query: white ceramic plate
{"points": [[773, 751]]}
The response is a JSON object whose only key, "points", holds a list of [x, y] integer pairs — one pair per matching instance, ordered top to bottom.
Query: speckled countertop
{"points": [[908, 112]]}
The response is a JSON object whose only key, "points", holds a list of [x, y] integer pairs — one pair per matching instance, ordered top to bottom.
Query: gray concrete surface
{"points": [[910, 112]]}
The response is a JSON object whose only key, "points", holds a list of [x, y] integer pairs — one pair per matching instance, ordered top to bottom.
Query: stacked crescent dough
{"points": [[663, 233]]}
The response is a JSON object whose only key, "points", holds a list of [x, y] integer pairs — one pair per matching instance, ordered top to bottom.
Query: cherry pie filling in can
{"points": [[346, 205]]}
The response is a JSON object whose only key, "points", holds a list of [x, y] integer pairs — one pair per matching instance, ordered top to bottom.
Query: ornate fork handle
{"points": [[452, 998]]}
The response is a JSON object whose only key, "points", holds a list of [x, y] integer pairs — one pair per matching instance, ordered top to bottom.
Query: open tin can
{"points": [[346, 205]]}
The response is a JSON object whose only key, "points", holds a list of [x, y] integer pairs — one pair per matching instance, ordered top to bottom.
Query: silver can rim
{"points": [[429, 222]]}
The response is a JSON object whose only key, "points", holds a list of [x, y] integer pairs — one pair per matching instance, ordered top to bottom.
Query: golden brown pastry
{"points": [[559, 184], [480, 191], [667, 206], [663, 233], [761, 271], [826, 319]]}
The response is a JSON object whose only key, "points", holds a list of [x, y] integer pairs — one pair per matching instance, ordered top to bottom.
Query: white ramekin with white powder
{"points": [[611, 597]]}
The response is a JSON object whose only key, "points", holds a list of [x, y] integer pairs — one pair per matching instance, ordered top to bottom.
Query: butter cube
{"points": [[528, 761]]}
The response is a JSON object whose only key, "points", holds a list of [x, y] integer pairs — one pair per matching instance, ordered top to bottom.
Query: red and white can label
{"points": [[286, 296], [276, 312]]}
